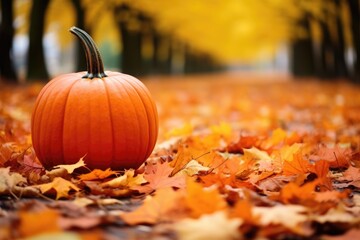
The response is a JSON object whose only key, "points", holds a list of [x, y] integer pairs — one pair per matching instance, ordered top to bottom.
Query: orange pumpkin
{"points": [[108, 117]]}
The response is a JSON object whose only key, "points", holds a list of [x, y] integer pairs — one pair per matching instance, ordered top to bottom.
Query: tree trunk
{"points": [[80, 23], [355, 28], [131, 43], [327, 58], [36, 60], [302, 63], [342, 70], [7, 72]]}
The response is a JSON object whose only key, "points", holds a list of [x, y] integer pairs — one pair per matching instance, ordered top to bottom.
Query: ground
{"points": [[238, 156]]}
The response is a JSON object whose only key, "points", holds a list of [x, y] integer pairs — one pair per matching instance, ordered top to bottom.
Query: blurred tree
{"points": [[80, 23], [355, 27], [303, 59], [36, 69], [7, 72]]}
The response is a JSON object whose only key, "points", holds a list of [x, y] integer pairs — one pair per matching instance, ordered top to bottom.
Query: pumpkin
{"points": [[108, 117]]}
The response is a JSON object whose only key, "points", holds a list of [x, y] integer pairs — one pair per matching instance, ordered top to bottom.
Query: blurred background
{"points": [[304, 38]]}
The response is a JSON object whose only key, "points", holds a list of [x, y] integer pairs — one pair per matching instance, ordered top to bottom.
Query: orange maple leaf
{"points": [[337, 156], [298, 165], [97, 174], [159, 176], [292, 193], [202, 201], [155, 209], [243, 210], [33, 223]]}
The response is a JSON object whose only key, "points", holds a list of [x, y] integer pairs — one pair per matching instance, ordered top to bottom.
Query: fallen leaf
{"points": [[338, 157], [298, 165], [70, 168], [192, 168], [97, 174], [159, 176], [127, 180], [9, 181], [60, 185], [202, 201], [154, 209], [335, 215], [290, 216], [34, 223], [209, 227]]}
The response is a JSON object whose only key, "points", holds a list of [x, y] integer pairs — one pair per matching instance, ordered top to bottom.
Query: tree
{"points": [[80, 23], [355, 28], [36, 60], [7, 71]]}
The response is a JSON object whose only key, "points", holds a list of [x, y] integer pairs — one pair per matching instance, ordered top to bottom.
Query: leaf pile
{"points": [[235, 159]]}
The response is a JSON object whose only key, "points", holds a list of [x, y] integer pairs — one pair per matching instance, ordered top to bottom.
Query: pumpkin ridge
{"points": [[35, 113], [63, 119], [148, 120], [111, 122], [154, 124], [44, 132], [139, 139], [65, 160]]}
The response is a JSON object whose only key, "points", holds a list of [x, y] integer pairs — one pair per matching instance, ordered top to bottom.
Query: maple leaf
{"points": [[277, 137], [244, 142], [338, 157], [298, 165], [193, 167], [70, 168], [97, 174], [159, 176], [351, 176], [127, 180], [9, 181], [60, 185], [292, 193], [202, 201], [155, 209], [243, 210], [336, 215], [290, 216], [34, 223], [222, 227]]}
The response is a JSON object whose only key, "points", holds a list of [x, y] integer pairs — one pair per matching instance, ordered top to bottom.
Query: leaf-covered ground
{"points": [[237, 157]]}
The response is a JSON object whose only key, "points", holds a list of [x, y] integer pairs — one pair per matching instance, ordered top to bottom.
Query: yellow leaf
{"points": [[255, 154], [71, 167], [193, 167], [127, 180], [60, 185], [209, 227]]}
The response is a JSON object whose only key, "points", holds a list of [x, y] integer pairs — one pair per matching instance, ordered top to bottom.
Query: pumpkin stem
{"points": [[95, 67]]}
